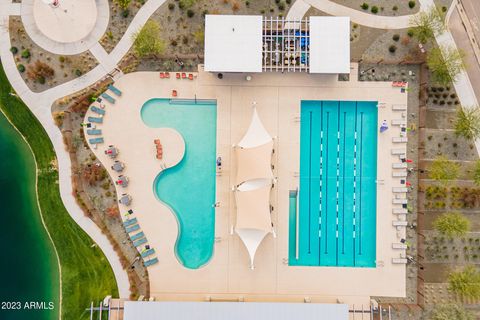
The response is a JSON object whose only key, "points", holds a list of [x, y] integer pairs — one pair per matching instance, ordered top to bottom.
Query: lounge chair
{"points": [[162, 75], [167, 75], [177, 75], [115, 90], [107, 97], [399, 107], [98, 110], [95, 119], [94, 132], [399, 139], [95, 140], [399, 165], [399, 174], [399, 190], [400, 201], [399, 211], [129, 222], [399, 223], [132, 228], [137, 236], [139, 242], [400, 246], [147, 253], [399, 260], [151, 262]]}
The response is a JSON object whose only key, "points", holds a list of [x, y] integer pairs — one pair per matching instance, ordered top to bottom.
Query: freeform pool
{"points": [[189, 187], [334, 221]]}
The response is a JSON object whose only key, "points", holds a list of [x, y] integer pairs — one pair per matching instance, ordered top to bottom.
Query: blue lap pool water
{"points": [[189, 187], [333, 214]]}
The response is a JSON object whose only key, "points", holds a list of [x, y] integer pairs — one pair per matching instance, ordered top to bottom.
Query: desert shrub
{"points": [[411, 4], [171, 6], [281, 6], [364, 6], [394, 8], [374, 9], [125, 13], [190, 13], [396, 37], [147, 41], [392, 48], [14, 50], [26, 54], [21, 67], [39, 71], [78, 72], [443, 170], [452, 224], [465, 283]]}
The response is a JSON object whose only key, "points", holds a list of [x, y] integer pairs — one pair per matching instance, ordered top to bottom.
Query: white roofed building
{"points": [[235, 43]]}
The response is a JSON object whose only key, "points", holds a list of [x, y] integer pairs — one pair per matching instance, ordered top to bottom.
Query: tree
{"points": [[123, 3], [427, 24], [147, 41], [446, 63], [467, 123], [443, 170], [476, 173], [452, 224], [465, 283], [451, 312]]}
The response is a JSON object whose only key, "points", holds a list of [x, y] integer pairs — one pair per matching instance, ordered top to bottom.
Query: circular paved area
{"points": [[70, 21], [71, 28]]}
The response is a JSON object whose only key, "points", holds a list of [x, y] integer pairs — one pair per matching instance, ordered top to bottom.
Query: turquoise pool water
{"points": [[189, 187], [336, 218]]}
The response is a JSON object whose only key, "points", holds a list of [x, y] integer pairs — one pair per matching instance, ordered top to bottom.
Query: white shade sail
{"points": [[253, 184]]}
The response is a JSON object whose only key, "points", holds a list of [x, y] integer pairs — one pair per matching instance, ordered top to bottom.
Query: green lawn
{"points": [[86, 273]]}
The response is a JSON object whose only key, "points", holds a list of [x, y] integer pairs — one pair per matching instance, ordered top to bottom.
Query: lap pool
{"points": [[189, 187], [333, 214]]}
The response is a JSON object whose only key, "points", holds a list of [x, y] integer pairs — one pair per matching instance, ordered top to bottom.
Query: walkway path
{"points": [[300, 7], [40, 104]]}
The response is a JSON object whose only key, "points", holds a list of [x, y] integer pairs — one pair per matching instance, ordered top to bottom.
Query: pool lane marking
{"points": [[338, 176], [354, 181], [326, 185], [343, 185], [360, 186], [310, 187]]}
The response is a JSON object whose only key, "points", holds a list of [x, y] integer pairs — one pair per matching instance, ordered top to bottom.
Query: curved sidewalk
{"points": [[300, 7], [40, 105]]}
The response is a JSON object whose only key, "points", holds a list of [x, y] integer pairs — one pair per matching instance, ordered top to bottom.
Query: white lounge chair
{"points": [[399, 107], [399, 122], [399, 139], [398, 152], [399, 165], [399, 174], [399, 190], [400, 201], [399, 211], [399, 223], [400, 246], [399, 260]]}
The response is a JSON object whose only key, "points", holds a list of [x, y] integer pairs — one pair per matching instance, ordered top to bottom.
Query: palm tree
{"points": [[467, 123]]}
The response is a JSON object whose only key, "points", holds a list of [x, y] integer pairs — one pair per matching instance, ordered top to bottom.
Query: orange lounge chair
{"points": [[162, 75], [167, 75], [178, 75], [184, 75], [190, 76], [174, 93], [156, 141]]}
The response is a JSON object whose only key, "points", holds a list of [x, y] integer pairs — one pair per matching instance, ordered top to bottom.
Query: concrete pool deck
{"points": [[228, 274]]}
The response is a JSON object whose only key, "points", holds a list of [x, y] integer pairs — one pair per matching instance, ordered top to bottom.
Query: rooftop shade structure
{"points": [[233, 43], [255, 44], [330, 45], [254, 181], [146, 310]]}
